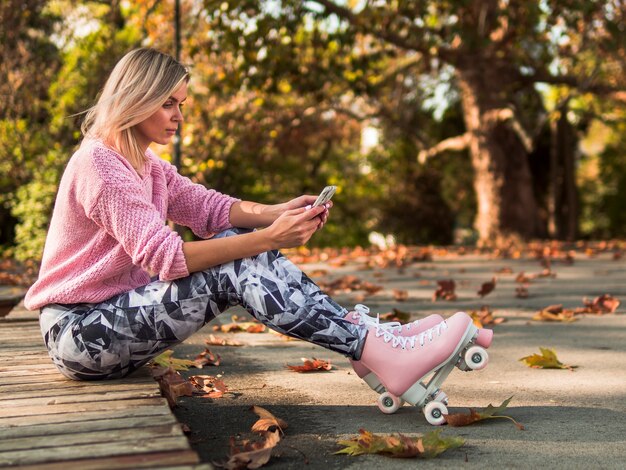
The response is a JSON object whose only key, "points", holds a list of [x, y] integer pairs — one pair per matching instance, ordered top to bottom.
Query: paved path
{"points": [[573, 419]]}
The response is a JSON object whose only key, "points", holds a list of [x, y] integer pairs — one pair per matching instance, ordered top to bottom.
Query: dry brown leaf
{"points": [[487, 287], [445, 290], [521, 292], [400, 294], [602, 304], [555, 313], [396, 315], [484, 316], [248, 327], [212, 340], [206, 358], [312, 365], [172, 384], [209, 386], [491, 412], [267, 421], [250, 454]]}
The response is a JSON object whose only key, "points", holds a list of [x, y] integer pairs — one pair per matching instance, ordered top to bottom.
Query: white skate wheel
{"points": [[476, 358], [388, 403], [435, 412]]}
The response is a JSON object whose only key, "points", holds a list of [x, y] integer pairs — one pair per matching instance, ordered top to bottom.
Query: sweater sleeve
{"points": [[205, 211], [124, 213]]}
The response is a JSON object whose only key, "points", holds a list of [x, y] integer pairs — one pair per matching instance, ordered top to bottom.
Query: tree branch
{"points": [[360, 22], [581, 84], [460, 142]]}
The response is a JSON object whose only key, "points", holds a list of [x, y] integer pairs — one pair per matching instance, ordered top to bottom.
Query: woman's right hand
{"points": [[294, 227]]}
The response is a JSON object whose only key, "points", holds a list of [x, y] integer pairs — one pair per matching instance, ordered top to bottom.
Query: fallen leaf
{"points": [[505, 270], [522, 278], [487, 287], [445, 290], [521, 292], [400, 294], [602, 304], [555, 313], [396, 315], [484, 316], [236, 326], [282, 336], [212, 340], [206, 358], [165, 359], [546, 360], [312, 365], [172, 384], [209, 386], [491, 412], [267, 421], [399, 445], [250, 454]]}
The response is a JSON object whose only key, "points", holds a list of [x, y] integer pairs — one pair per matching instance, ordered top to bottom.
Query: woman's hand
{"points": [[307, 201], [294, 227]]}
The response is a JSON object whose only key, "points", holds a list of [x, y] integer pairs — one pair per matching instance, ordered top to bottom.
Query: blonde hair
{"points": [[138, 86]]}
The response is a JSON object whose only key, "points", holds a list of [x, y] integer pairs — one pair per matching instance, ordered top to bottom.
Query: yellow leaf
{"points": [[165, 359], [546, 360], [399, 445]]}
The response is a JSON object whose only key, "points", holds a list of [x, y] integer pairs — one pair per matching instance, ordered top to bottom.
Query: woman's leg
{"points": [[115, 337]]}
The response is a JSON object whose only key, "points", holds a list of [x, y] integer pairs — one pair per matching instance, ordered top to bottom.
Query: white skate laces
{"points": [[361, 312], [429, 333], [396, 341], [409, 341]]}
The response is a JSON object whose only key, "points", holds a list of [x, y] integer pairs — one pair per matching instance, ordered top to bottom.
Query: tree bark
{"points": [[503, 183], [563, 192]]}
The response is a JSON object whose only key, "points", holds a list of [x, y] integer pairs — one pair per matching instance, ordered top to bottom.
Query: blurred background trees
{"points": [[440, 122]]}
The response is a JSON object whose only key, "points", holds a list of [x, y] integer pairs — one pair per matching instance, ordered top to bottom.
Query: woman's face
{"points": [[162, 125]]}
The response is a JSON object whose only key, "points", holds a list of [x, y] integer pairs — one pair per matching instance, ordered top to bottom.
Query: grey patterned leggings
{"points": [[113, 338]]}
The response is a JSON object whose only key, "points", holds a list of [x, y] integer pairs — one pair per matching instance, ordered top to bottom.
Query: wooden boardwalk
{"points": [[50, 422]]}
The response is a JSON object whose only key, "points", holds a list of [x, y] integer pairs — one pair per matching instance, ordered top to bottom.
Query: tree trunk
{"points": [[502, 180], [563, 193]]}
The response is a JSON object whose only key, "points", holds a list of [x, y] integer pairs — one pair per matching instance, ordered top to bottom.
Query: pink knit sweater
{"points": [[108, 227]]}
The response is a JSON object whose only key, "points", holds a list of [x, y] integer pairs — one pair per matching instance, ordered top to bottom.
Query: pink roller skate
{"points": [[360, 316], [478, 359], [403, 363]]}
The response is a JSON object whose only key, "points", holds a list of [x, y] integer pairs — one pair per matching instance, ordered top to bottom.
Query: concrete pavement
{"points": [[572, 419]]}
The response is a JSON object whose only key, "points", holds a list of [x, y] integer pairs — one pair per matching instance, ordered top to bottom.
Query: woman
{"points": [[117, 286]]}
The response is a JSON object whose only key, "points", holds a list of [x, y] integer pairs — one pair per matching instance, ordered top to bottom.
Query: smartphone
{"points": [[325, 196]]}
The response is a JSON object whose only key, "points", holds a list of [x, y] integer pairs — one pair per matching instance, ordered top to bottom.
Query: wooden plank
{"points": [[24, 349], [26, 361], [34, 367], [25, 371], [29, 379], [65, 384], [99, 388], [104, 395], [78, 407], [155, 408], [110, 424], [35, 444], [137, 446], [153, 460]]}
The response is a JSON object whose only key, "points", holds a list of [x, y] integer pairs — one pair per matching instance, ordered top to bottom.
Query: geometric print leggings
{"points": [[110, 339]]}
